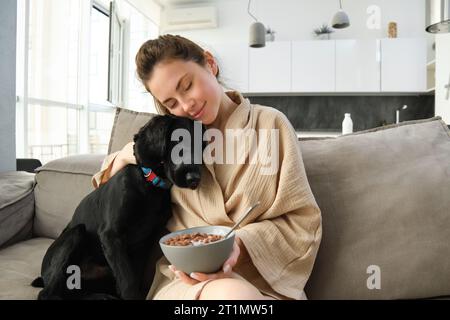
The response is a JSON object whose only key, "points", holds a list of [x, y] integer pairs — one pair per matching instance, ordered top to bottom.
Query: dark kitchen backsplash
{"points": [[325, 113]]}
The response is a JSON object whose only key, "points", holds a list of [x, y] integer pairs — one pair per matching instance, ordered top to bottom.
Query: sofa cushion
{"points": [[126, 124], [15, 185], [61, 185], [385, 197], [16, 206], [20, 264]]}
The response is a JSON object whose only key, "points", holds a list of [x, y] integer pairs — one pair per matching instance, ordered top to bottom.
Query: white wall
{"points": [[149, 8], [8, 15], [296, 19], [442, 94]]}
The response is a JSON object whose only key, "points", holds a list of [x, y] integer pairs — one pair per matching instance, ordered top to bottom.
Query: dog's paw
{"points": [[38, 282], [45, 295]]}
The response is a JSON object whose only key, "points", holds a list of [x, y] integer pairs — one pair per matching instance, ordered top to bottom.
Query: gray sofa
{"points": [[384, 194]]}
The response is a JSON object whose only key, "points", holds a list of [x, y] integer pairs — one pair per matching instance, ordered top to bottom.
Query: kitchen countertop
{"points": [[318, 134]]}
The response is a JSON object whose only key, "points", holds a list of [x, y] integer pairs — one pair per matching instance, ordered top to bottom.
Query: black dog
{"points": [[113, 236]]}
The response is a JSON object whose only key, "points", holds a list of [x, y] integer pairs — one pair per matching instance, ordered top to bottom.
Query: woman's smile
{"points": [[200, 112]]}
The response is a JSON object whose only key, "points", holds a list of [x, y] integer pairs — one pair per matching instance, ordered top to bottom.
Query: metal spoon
{"points": [[243, 217]]}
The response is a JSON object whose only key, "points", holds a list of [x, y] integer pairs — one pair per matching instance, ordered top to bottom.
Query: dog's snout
{"points": [[192, 179]]}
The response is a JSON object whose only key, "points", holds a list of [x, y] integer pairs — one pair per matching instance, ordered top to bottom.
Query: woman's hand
{"points": [[126, 155], [196, 277]]}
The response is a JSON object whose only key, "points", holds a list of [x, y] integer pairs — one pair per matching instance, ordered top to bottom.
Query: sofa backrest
{"points": [[126, 124], [63, 183], [60, 186], [384, 195]]}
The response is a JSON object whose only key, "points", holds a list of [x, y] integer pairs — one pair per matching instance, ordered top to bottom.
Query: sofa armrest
{"points": [[60, 186], [16, 206]]}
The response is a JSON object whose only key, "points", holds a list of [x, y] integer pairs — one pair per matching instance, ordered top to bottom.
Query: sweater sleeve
{"points": [[107, 163], [283, 242], [283, 253]]}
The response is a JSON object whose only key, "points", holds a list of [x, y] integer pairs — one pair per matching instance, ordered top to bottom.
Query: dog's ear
{"points": [[150, 141]]}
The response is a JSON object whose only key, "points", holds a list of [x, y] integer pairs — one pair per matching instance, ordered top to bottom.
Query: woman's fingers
{"points": [[128, 153], [232, 260], [172, 268], [182, 276], [205, 276], [195, 277], [185, 278]]}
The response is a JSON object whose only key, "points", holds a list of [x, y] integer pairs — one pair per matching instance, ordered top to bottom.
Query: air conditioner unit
{"points": [[190, 18]]}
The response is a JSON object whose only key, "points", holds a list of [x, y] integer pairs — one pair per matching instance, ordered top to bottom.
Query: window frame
{"points": [[24, 102], [83, 105]]}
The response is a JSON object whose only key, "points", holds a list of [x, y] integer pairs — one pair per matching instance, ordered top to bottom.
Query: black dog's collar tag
{"points": [[151, 177]]}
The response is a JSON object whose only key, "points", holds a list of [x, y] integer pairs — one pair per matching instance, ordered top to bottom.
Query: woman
{"points": [[276, 246]]}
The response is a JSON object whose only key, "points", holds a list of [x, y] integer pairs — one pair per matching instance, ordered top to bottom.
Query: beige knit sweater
{"points": [[283, 234]]}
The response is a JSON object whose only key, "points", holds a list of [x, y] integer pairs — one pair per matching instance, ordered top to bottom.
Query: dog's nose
{"points": [[192, 179]]}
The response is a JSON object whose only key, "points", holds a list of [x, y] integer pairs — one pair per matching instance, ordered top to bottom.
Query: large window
{"points": [[139, 29], [99, 52], [68, 84], [52, 97], [101, 112]]}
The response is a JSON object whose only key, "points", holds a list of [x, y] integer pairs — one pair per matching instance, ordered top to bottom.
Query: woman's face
{"points": [[187, 89]]}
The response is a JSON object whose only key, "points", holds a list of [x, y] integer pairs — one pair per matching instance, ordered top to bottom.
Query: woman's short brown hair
{"points": [[165, 48]]}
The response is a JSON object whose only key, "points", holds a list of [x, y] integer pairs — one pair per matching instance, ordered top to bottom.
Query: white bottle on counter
{"points": [[347, 124]]}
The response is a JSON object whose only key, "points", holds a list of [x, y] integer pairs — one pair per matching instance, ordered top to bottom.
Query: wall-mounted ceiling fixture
{"points": [[438, 16], [340, 19], [257, 36]]}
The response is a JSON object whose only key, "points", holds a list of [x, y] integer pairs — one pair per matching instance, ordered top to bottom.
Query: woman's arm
{"points": [[125, 156], [113, 163], [284, 240], [244, 255]]}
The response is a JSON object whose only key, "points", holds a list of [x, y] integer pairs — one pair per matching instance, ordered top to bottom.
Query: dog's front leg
{"points": [[115, 252]]}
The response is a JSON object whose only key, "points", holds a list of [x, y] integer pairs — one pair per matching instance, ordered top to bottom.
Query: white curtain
{"points": [[139, 28], [54, 56], [56, 73], [61, 105]]}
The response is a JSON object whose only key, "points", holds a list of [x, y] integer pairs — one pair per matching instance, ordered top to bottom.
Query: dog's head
{"points": [[178, 161]]}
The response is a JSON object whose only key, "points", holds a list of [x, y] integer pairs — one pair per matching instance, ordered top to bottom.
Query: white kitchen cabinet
{"points": [[232, 59], [403, 65], [313, 66], [341, 66], [358, 66], [270, 68], [442, 91]]}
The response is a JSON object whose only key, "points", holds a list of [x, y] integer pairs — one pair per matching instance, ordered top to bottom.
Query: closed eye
{"points": [[175, 103]]}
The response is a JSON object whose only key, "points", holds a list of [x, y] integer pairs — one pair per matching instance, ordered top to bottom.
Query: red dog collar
{"points": [[150, 176]]}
